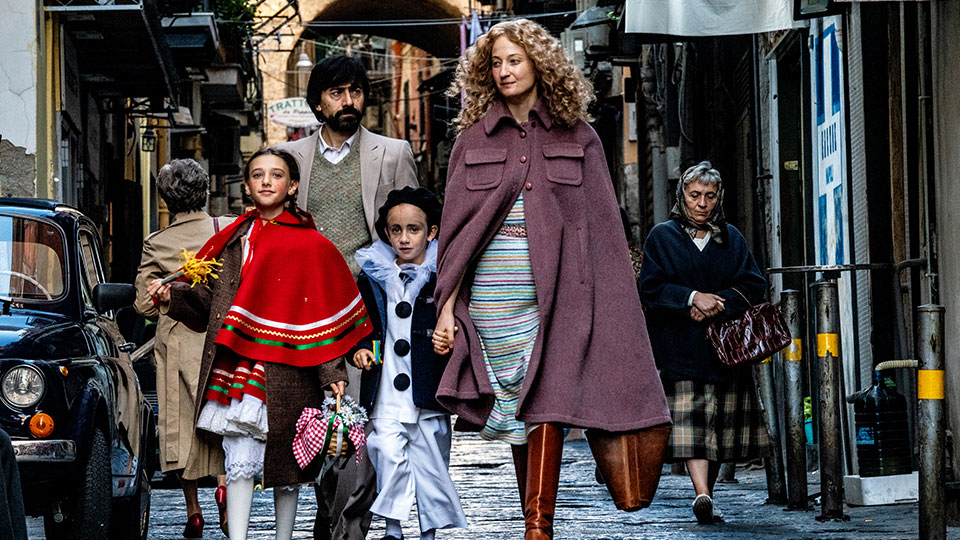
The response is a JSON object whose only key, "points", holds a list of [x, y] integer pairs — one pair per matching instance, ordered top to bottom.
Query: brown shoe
{"points": [[544, 450]]}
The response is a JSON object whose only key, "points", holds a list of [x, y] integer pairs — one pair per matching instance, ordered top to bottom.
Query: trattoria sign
{"points": [[292, 112]]}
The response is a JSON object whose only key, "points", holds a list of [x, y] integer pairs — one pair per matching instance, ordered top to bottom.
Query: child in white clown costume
{"points": [[409, 443]]}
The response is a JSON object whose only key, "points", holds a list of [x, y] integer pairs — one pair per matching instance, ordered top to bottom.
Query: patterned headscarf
{"points": [[704, 173]]}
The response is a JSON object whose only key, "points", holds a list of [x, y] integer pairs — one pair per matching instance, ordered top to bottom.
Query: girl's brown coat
{"points": [[289, 389]]}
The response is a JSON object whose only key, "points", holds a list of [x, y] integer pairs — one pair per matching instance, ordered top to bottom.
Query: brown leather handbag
{"points": [[757, 334], [630, 463]]}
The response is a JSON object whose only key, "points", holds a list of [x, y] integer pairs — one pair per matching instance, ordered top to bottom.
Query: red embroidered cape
{"points": [[297, 303]]}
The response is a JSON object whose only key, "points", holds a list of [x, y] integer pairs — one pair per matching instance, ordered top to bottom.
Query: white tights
{"points": [[240, 499]]}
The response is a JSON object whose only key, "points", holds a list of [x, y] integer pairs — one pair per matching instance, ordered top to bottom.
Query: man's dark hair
{"points": [[335, 71]]}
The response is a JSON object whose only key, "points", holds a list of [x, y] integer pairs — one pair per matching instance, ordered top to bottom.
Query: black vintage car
{"points": [[83, 434]]}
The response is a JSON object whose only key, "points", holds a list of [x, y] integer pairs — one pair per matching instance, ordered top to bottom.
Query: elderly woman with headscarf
{"points": [[184, 187], [698, 269]]}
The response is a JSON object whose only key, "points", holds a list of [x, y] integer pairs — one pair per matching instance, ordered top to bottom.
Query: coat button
{"points": [[523, 134], [523, 159], [529, 186], [404, 309], [218, 315], [401, 347], [401, 382]]}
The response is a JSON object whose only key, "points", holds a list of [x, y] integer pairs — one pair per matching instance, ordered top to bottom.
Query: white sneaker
{"points": [[703, 509], [717, 514]]}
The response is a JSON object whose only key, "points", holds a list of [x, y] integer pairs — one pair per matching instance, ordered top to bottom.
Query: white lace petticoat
{"points": [[243, 425]]}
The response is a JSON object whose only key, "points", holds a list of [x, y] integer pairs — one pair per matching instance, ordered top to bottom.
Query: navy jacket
{"points": [[672, 268], [427, 366]]}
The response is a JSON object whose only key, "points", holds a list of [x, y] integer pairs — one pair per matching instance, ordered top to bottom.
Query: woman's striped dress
{"points": [[503, 306]]}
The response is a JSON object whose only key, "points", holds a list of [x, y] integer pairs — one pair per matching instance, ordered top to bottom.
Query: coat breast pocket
{"points": [[564, 163], [483, 167]]}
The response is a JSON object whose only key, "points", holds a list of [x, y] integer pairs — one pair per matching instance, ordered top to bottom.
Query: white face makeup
{"points": [[409, 233]]}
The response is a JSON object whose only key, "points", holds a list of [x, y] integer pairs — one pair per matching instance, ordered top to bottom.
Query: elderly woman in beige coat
{"points": [[184, 186]]}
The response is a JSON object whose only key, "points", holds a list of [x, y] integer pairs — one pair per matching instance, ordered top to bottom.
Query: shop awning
{"points": [[701, 18], [193, 39], [121, 49]]}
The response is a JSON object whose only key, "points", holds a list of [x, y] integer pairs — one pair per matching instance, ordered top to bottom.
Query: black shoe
{"points": [[321, 528], [391, 537]]}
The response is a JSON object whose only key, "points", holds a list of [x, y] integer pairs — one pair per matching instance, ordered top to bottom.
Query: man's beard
{"points": [[342, 124]]}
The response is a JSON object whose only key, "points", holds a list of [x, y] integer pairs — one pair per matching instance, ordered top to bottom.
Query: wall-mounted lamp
{"points": [[304, 62], [148, 141]]}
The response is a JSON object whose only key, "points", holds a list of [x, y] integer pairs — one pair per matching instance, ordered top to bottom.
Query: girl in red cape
{"points": [[279, 316]]}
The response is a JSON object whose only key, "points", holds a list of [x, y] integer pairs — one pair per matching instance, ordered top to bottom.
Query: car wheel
{"points": [[87, 515], [131, 515]]}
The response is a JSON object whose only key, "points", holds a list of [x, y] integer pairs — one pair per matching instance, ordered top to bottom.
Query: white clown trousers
{"points": [[412, 462]]}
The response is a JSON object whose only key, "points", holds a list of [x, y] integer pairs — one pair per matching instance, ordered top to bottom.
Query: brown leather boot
{"points": [[545, 448], [520, 465]]}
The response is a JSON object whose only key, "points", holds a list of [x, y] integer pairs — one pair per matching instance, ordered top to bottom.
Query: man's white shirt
{"points": [[335, 155]]}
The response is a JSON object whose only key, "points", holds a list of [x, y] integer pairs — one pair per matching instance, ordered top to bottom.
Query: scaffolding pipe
{"points": [[930, 380], [793, 402], [831, 430], [773, 464]]}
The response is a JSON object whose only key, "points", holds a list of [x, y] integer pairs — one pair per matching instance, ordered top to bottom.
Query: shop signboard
{"points": [[292, 112]]}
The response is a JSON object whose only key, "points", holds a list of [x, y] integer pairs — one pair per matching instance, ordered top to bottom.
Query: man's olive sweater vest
{"points": [[335, 200]]}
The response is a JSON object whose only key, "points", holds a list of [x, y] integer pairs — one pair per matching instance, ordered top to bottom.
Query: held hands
{"points": [[159, 290], [705, 306], [444, 333], [363, 359]]}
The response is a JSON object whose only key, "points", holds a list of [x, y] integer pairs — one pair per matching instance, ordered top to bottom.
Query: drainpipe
{"points": [[927, 158]]}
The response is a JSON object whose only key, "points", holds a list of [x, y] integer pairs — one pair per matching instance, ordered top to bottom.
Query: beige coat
{"points": [[385, 164], [178, 349]]}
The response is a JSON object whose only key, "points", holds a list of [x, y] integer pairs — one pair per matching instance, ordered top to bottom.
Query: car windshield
{"points": [[31, 259]]}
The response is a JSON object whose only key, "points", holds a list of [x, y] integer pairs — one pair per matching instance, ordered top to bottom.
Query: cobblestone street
{"points": [[484, 476]]}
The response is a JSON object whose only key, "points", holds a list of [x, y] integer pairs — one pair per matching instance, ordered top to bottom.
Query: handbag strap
{"points": [[738, 291]]}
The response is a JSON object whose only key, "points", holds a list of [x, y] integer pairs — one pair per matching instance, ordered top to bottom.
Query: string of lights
{"points": [[429, 22], [362, 52]]}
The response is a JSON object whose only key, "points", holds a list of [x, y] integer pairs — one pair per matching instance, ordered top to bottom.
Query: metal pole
{"points": [[930, 379], [793, 402], [831, 436], [776, 486]]}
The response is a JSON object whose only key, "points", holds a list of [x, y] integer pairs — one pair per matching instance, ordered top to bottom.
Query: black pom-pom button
{"points": [[401, 382]]}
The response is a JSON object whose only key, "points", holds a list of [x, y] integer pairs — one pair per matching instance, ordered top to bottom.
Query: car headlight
{"points": [[23, 386]]}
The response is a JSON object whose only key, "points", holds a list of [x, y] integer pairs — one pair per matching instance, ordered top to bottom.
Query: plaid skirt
{"points": [[716, 422]]}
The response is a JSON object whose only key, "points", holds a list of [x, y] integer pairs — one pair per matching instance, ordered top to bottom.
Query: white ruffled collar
{"points": [[380, 263]]}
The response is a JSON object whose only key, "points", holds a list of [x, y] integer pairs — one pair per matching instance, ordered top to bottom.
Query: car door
{"points": [[110, 346]]}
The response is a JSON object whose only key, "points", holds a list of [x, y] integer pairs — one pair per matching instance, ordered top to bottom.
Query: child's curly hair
{"points": [[562, 86]]}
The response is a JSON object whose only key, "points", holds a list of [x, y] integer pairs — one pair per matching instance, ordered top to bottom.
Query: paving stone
{"points": [[483, 473]]}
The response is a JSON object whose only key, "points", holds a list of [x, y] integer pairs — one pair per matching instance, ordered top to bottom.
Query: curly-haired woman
{"points": [[535, 286]]}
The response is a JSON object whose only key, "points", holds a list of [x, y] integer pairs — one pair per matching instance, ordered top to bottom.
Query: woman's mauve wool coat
{"points": [[592, 365], [289, 389]]}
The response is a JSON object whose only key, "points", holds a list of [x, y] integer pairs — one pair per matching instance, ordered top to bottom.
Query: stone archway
{"points": [[439, 40]]}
